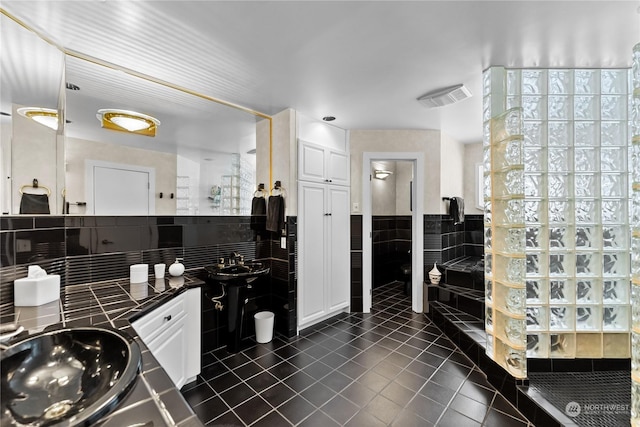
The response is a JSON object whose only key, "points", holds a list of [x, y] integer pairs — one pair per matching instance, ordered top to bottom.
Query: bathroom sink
{"points": [[247, 271], [68, 377]]}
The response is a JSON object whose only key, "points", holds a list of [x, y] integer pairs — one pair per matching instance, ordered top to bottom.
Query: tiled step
{"points": [[464, 272], [470, 301], [467, 332]]}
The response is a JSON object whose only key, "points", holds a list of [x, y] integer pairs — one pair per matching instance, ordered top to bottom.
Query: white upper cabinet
{"points": [[322, 164]]}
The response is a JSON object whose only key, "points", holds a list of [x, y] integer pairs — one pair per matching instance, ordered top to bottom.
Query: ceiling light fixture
{"points": [[446, 96], [44, 116], [328, 118], [128, 121], [381, 174]]}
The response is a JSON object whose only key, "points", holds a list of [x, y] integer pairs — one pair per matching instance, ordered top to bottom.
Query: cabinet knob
{"points": [[167, 318]]}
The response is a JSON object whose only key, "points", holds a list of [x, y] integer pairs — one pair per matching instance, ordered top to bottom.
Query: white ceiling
{"points": [[361, 61]]}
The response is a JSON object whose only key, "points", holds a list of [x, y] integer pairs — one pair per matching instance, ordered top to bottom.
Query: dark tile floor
{"points": [[389, 367]]}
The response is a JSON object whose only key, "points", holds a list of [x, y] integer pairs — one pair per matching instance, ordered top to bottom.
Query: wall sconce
{"points": [[44, 116], [128, 121], [381, 174]]}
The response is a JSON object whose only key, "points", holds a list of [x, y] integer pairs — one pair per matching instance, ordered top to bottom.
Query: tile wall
{"points": [[443, 242], [91, 249]]}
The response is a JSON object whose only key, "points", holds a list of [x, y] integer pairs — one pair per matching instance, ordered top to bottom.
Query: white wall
{"points": [[426, 141], [79, 150], [34, 155], [472, 156], [5, 164], [452, 170], [404, 175], [383, 191], [391, 196]]}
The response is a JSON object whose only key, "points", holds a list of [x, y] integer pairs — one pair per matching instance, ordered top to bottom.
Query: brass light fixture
{"points": [[45, 116], [128, 121]]}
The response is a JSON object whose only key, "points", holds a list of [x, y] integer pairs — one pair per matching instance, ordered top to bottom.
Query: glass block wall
{"points": [[575, 208], [504, 228], [635, 239]]}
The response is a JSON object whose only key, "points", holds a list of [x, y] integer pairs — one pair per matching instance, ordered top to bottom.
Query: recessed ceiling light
{"points": [[328, 118], [128, 121]]}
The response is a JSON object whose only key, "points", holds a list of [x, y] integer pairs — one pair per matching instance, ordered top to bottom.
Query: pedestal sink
{"points": [[235, 278], [68, 377]]}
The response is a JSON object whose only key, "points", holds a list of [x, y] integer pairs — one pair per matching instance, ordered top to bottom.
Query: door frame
{"points": [[90, 184], [417, 226]]}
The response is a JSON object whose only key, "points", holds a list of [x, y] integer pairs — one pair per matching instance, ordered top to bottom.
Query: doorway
{"points": [[106, 181], [396, 187]]}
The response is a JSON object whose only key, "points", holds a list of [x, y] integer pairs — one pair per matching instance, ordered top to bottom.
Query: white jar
{"points": [[177, 268]]}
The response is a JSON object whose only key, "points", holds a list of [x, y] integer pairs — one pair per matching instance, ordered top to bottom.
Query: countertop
{"points": [[154, 400]]}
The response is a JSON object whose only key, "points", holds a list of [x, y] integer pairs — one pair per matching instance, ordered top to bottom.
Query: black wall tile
{"points": [[8, 223], [35, 246], [7, 249]]}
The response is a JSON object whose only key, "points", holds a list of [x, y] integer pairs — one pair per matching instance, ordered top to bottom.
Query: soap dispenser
{"points": [[177, 268]]}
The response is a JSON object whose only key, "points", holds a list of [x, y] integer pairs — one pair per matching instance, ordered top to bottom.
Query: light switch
{"points": [[356, 206]]}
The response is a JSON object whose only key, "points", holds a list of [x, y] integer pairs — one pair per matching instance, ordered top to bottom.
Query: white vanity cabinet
{"points": [[322, 164], [324, 272], [172, 334]]}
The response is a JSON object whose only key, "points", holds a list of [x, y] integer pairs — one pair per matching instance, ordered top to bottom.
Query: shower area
{"points": [[558, 157]]}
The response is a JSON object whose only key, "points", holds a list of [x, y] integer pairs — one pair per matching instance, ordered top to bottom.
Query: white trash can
{"points": [[264, 326]]}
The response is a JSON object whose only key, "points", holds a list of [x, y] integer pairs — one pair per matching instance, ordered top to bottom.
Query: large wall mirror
{"points": [[31, 75], [197, 156]]}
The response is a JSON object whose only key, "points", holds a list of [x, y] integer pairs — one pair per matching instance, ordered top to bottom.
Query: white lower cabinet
{"points": [[323, 252], [172, 334]]}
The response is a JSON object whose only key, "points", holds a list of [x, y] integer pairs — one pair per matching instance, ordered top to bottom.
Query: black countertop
{"points": [[154, 400]]}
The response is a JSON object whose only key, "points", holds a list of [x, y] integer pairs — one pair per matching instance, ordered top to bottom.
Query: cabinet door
{"points": [[311, 162], [337, 167], [311, 253], [339, 269], [170, 349]]}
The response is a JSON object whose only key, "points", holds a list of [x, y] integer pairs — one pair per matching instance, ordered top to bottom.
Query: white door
{"points": [[119, 189], [311, 263], [339, 286]]}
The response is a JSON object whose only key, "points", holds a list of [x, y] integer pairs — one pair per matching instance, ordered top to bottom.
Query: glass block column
{"points": [[575, 210], [573, 213], [504, 228], [635, 239]]}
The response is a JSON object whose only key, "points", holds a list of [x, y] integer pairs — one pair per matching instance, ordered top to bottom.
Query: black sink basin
{"points": [[245, 271], [235, 279], [67, 377]]}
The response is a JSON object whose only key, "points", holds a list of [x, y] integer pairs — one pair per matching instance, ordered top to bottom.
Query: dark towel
{"points": [[34, 204], [456, 210], [258, 213], [275, 213]]}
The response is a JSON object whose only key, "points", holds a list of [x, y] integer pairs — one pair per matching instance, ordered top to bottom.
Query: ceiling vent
{"points": [[446, 96]]}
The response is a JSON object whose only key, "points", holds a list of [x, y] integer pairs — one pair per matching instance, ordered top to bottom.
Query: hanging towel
{"points": [[34, 204], [456, 210], [258, 213], [275, 213]]}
